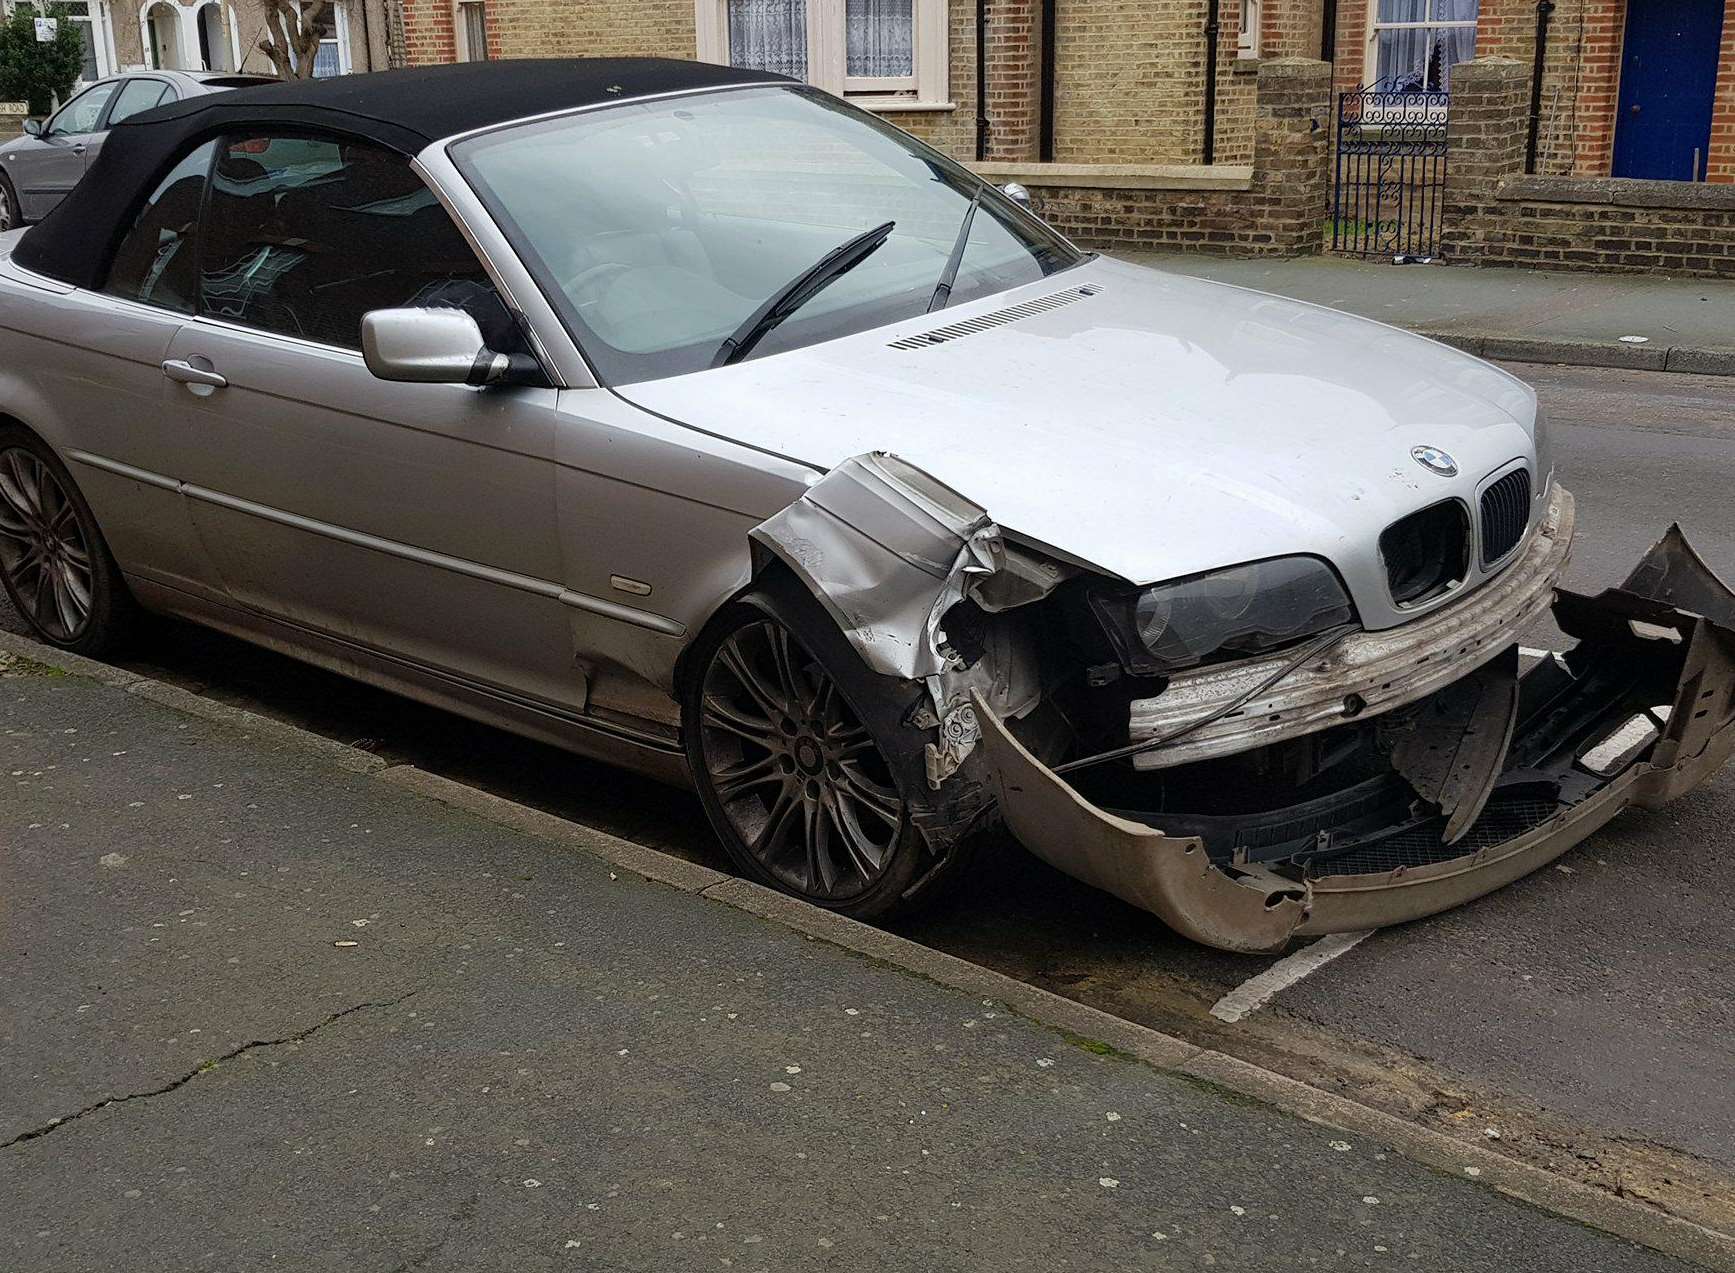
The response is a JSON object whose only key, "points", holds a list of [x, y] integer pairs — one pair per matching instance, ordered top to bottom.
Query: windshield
{"points": [[658, 228]]}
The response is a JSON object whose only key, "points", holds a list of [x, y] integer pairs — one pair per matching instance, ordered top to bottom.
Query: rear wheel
{"points": [[11, 215], [55, 566], [795, 782]]}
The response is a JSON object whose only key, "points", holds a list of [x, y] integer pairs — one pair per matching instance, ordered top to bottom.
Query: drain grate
{"points": [[999, 318]]}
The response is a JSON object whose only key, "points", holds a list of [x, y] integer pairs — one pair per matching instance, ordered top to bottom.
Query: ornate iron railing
{"points": [[1390, 180]]}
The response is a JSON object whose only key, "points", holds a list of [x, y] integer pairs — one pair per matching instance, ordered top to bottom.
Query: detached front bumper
{"points": [[1640, 711]]}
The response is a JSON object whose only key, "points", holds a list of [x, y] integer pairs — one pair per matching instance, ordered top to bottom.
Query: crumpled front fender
{"points": [[1672, 623]]}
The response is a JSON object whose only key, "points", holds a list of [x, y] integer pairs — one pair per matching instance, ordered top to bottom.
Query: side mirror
{"points": [[34, 127], [1017, 193], [437, 347]]}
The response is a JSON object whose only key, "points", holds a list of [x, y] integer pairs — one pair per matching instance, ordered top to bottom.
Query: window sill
{"points": [[894, 105]]}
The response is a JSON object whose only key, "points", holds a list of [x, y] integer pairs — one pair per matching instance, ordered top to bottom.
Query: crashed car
{"points": [[689, 418]]}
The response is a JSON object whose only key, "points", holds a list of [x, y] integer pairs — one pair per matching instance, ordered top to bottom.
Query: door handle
{"points": [[78, 148], [185, 373]]}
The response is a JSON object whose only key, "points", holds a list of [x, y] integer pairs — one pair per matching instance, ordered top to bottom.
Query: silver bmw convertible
{"points": [[692, 419]]}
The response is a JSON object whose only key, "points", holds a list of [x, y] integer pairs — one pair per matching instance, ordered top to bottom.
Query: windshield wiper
{"points": [[798, 291], [943, 291]]}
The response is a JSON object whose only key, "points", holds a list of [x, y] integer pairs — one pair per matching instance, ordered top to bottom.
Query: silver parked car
{"points": [[38, 169], [692, 419]]}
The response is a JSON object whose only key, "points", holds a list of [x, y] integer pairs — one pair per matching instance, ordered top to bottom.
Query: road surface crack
{"points": [[240, 1050]]}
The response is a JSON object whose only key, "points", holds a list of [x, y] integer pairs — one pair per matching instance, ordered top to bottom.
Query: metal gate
{"points": [[1391, 173]]}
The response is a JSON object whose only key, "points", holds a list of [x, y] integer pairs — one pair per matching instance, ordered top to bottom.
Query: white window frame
{"points": [[461, 31], [1247, 39], [1371, 64], [928, 89]]}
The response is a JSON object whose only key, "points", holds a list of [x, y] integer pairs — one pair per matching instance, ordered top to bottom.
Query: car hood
{"points": [[1159, 427]]}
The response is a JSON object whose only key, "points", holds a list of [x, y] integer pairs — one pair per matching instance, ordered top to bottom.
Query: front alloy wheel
{"points": [[794, 781]]}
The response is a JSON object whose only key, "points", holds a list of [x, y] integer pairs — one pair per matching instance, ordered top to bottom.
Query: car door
{"points": [[45, 169], [415, 520]]}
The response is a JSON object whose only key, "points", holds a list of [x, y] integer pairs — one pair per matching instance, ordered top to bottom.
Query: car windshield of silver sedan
{"points": [[661, 228]]}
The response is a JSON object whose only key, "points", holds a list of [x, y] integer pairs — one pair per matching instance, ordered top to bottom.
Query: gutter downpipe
{"points": [[1544, 8], [1213, 12], [1328, 33], [981, 80], [1045, 133]]}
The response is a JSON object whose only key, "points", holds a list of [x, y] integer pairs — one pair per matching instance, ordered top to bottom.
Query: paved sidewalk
{"points": [[1518, 315], [291, 1015]]}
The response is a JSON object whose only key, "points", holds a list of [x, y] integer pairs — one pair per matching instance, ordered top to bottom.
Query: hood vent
{"points": [[999, 318]]}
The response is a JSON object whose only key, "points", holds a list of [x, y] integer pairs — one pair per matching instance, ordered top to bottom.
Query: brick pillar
{"points": [[1014, 56], [12, 117], [1485, 135], [1291, 156]]}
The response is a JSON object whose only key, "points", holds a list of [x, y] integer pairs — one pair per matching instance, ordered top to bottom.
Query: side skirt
{"points": [[647, 754]]}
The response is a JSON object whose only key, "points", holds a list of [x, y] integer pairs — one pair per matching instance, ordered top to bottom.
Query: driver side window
{"points": [[82, 113], [304, 234]]}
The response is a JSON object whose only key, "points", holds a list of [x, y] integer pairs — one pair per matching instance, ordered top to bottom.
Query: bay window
{"points": [[884, 54]]}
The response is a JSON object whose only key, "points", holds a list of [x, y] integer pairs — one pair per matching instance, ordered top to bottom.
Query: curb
{"points": [[1591, 353], [1619, 1217]]}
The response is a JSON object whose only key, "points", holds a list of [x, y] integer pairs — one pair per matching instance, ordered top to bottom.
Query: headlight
{"points": [[1225, 614]]}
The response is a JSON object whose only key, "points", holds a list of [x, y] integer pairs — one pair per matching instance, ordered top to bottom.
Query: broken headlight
{"points": [[1232, 613]]}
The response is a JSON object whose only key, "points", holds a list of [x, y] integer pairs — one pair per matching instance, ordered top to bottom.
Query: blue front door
{"points": [[1668, 82]]}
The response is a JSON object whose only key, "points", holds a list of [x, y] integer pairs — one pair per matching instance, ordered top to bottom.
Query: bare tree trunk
{"points": [[292, 37]]}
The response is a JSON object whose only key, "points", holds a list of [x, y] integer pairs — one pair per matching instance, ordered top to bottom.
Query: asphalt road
{"points": [[1584, 1014]]}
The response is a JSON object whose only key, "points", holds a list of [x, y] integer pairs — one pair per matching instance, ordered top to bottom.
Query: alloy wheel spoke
{"points": [[24, 476], [15, 492], [77, 588], [43, 598], [65, 604], [735, 659], [788, 674], [726, 716], [734, 781], [878, 800], [813, 828], [775, 833], [855, 844]]}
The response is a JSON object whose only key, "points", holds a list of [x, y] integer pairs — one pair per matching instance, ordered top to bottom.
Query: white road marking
{"points": [[1530, 653], [1256, 992]]}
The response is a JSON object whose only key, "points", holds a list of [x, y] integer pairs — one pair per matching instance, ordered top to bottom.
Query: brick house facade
{"points": [[1124, 82], [1100, 107]]}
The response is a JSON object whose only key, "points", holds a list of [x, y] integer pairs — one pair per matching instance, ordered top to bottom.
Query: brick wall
{"points": [[1128, 81], [12, 117], [1271, 208], [1496, 215]]}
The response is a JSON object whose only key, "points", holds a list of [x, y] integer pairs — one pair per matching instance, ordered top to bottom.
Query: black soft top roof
{"points": [[403, 110]]}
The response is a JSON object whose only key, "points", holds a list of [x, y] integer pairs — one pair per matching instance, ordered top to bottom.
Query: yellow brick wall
{"points": [[592, 28], [1129, 83]]}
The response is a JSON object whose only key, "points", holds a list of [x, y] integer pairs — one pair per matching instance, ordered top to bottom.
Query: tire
{"points": [[11, 211], [54, 562], [794, 748]]}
